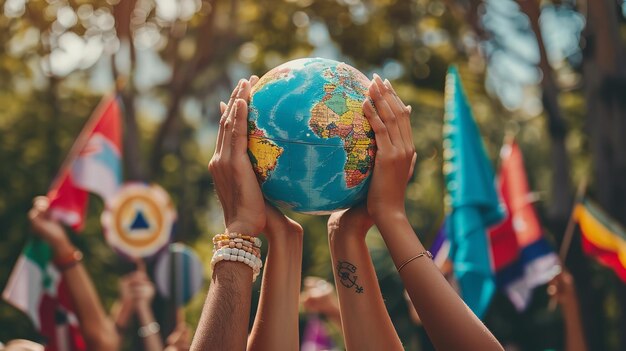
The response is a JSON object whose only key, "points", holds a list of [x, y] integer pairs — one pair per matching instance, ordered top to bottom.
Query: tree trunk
{"points": [[605, 83], [560, 206]]}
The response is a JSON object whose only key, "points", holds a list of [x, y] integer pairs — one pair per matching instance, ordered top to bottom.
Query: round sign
{"points": [[138, 220], [178, 274]]}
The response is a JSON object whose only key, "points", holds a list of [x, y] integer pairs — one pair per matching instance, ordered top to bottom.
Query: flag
{"points": [[93, 165], [471, 201], [602, 237], [522, 258], [36, 288], [316, 337]]}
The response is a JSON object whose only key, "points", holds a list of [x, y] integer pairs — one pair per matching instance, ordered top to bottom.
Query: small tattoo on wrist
{"points": [[345, 272]]}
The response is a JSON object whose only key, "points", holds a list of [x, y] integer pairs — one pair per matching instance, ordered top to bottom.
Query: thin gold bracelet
{"points": [[425, 253]]}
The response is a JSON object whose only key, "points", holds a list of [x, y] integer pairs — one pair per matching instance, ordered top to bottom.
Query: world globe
{"points": [[310, 145]]}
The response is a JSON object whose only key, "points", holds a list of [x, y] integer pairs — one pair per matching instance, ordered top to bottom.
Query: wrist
{"points": [[390, 218], [241, 228], [286, 235], [339, 238], [61, 248], [67, 258], [143, 305]]}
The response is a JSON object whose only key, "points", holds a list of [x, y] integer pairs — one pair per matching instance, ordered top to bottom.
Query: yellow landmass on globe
{"points": [[264, 155]]}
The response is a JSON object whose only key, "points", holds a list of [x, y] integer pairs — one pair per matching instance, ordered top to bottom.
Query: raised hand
{"points": [[396, 156], [235, 182], [49, 230], [136, 288], [562, 288], [318, 296]]}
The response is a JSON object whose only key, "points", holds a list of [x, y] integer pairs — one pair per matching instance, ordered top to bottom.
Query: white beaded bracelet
{"points": [[238, 255]]}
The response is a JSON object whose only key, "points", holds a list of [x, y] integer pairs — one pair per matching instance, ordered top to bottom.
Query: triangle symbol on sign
{"points": [[139, 222]]}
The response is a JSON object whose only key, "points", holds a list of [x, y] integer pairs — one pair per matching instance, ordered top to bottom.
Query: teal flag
{"points": [[472, 201]]}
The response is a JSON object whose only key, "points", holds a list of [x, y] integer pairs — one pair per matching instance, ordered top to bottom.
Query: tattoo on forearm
{"points": [[346, 271]]}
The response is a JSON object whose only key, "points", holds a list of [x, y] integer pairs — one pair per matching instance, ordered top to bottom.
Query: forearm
{"points": [[121, 313], [276, 323], [223, 324], [450, 324], [368, 326], [97, 328], [574, 333], [151, 337]]}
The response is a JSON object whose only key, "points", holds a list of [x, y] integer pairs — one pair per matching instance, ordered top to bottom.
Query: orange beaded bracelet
{"points": [[68, 261]]}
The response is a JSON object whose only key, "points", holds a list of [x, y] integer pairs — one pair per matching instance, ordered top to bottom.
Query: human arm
{"points": [[562, 289], [142, 293], [319, 296], [365, 322], [276, 323], [223, 324], [450, 324], [95, 326], [180, 338]]}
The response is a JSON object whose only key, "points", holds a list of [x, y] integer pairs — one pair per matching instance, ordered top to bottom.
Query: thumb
{"points": [[223, 107], [412, 166]]}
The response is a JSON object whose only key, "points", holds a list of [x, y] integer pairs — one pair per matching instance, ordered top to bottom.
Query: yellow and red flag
{"points": [[602, 237]]}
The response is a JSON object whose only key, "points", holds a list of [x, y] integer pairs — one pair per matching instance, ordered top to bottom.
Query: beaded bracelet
{"points": [[236, 237], [242, 246], [238, 247], [238, 255], [66, 262]]}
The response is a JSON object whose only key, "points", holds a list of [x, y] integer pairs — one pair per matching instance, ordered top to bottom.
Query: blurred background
{"points": [[552, 72]]}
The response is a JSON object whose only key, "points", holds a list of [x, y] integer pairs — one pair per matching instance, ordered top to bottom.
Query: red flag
{"points": [[93, 165], [522, 257]]}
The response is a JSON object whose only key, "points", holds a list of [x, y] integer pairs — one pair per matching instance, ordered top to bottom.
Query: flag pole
{"points": [[571, 224], [569, 233]]}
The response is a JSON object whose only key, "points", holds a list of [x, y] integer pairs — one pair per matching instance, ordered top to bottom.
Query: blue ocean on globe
{"points": [[310, 145]]}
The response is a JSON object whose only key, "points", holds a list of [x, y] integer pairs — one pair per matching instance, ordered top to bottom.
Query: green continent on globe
{"points": [[340, 114], [263, 153]]}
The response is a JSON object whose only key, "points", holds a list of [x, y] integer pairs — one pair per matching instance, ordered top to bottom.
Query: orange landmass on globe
{"points": [[338, 114], [263, 152]]}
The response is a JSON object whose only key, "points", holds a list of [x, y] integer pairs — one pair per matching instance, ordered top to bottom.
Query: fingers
{"points": [[253, 80], [382, 99], [239, 106], [223, 107], [225, 111], [403, 114], [407, 122], [240, 129], [380, 130], [412, 169], [41, 203]]}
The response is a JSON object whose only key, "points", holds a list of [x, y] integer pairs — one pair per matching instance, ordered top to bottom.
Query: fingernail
{"points": [[378, 79], [387, 84], [409, 108]]}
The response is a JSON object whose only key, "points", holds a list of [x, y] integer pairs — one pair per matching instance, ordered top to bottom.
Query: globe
{"points": [[310, 145]]}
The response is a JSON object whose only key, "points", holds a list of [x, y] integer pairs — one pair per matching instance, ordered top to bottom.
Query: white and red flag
{"points": [[36, 286]]}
